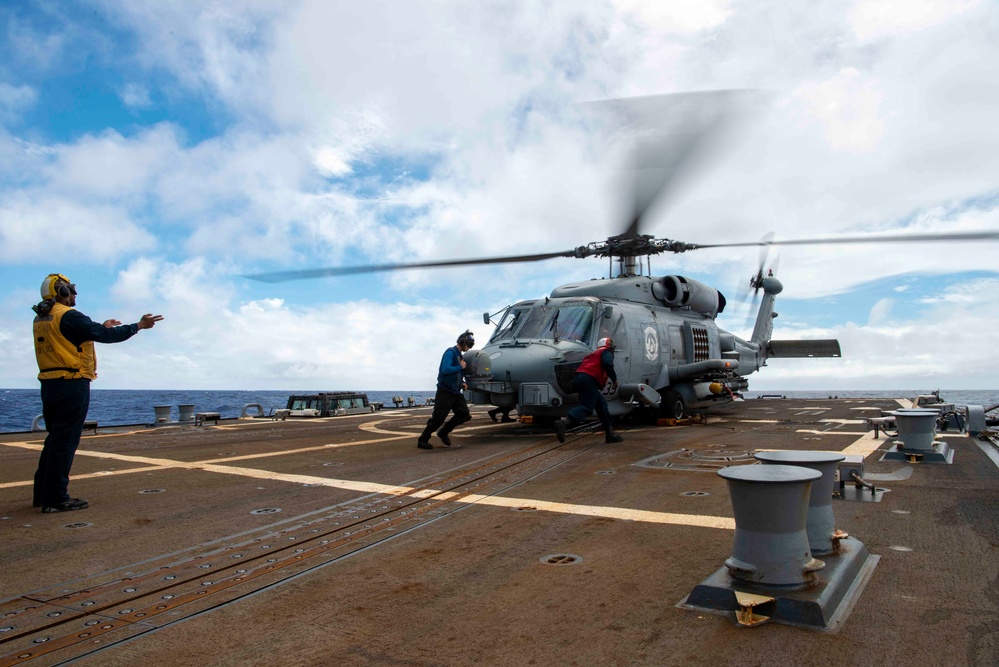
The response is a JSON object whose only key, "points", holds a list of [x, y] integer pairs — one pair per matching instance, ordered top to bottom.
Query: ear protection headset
{"points": [[57, 285], [467, 339]]}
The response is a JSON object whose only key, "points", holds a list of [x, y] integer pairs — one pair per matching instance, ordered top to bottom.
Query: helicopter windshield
{"points": [[511, 320], [569, 321], [532, 322], [573, 322]]}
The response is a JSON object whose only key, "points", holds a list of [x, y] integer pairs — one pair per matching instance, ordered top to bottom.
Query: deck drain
{"points": [[605, 472], [153, 491], [694, 494], [524, 508], [267, 510], [900, 511], [78, 524], [900, 548], [562, 559]]}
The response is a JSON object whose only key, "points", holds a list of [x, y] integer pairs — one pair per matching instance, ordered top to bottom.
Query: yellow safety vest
{"points": [[56, 356]]}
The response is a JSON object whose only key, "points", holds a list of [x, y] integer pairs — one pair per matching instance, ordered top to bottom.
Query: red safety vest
{"points": [[592, 366]]}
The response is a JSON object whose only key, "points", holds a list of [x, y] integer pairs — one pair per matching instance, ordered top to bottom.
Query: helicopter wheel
{"points": [[672, 406]]}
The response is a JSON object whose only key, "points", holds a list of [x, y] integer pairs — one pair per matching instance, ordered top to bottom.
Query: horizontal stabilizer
{"points": [[799, 349]]}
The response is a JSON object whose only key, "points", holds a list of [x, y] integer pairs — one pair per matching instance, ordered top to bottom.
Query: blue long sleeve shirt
{"points": [[450, 372]]}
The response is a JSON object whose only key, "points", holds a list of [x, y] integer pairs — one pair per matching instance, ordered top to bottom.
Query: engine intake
{"points": [[680, 292]]}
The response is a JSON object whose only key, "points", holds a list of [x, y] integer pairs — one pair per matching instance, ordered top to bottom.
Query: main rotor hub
{"points": [[632, 246]]}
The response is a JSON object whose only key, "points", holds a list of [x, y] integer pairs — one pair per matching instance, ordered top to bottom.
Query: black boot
{"points": [[493, 413], [560, 429], [612, 436]]}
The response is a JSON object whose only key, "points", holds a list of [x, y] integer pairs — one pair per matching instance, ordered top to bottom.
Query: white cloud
{"points": [[684, 16], [874, 19], [135, 96], [14, 100], [847, 107], [371, 132], [329, 162], [40, 224], [880, 312], [952, 344]]}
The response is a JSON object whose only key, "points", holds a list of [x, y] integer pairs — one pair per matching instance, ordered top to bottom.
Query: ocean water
{"points": [[117, 407]]}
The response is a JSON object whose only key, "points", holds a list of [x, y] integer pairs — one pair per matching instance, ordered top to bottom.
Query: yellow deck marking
{"points": [[373, 428], [865, 445], [102, 473], [607, 512], [621, 513]]}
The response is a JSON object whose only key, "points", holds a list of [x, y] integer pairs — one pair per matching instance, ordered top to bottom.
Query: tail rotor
{"points": [[756, 281]]}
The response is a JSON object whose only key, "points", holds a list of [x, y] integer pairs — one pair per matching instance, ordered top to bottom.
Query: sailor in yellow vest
{"points": [[64, 349]]}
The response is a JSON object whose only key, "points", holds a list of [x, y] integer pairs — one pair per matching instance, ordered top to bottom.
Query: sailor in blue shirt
{"points": [[449, 396]]}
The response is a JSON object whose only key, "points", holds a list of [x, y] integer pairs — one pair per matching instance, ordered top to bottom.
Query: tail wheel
{"points": [[672, 406]]}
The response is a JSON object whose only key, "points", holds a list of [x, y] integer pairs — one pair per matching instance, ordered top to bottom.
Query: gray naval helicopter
{"points": [[671, 355]]}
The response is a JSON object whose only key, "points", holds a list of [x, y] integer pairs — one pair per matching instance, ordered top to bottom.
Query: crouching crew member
{"points": [[589, 382], [449, 396]]}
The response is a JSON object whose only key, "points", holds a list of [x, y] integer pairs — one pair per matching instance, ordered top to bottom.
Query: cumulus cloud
{"points": [[873, 19], [135, 96], [14, 100], [847, 107], [378, 132], [946, 344]]}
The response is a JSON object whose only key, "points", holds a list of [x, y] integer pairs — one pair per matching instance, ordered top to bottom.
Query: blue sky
{"points": [[158, 152]]}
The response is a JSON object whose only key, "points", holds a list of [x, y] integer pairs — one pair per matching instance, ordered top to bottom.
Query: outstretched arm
{"points": [[77, 328]]}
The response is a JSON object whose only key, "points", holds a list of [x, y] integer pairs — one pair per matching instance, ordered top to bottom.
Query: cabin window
{"points": [[573, 322]]}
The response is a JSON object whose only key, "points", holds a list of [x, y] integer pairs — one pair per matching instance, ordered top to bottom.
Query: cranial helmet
{"points": [[49, 288], [467, 339], [606, 342]]}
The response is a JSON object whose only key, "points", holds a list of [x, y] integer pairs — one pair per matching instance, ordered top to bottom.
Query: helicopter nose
{"points": [[477, 362], [534, 362]]}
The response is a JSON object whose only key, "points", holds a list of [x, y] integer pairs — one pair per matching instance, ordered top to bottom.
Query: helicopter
{"points": [[671, 356]]}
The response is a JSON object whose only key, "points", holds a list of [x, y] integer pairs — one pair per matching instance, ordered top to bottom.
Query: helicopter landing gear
{"points": [[672, 406]]}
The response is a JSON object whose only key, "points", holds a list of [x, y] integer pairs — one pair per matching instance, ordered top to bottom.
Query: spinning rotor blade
{"points": [[665, 138], [955, 236], [283, 276], [755, 283]]}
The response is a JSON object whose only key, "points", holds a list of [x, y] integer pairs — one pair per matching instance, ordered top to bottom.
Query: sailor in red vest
{"points": [[591, 377]]}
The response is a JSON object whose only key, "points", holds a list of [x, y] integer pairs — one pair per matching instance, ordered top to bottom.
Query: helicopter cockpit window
{"points": [[511, 320], [573, 322], [533, 323]]}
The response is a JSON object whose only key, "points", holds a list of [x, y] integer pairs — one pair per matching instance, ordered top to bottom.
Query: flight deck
{"points": [[336, 541]]}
